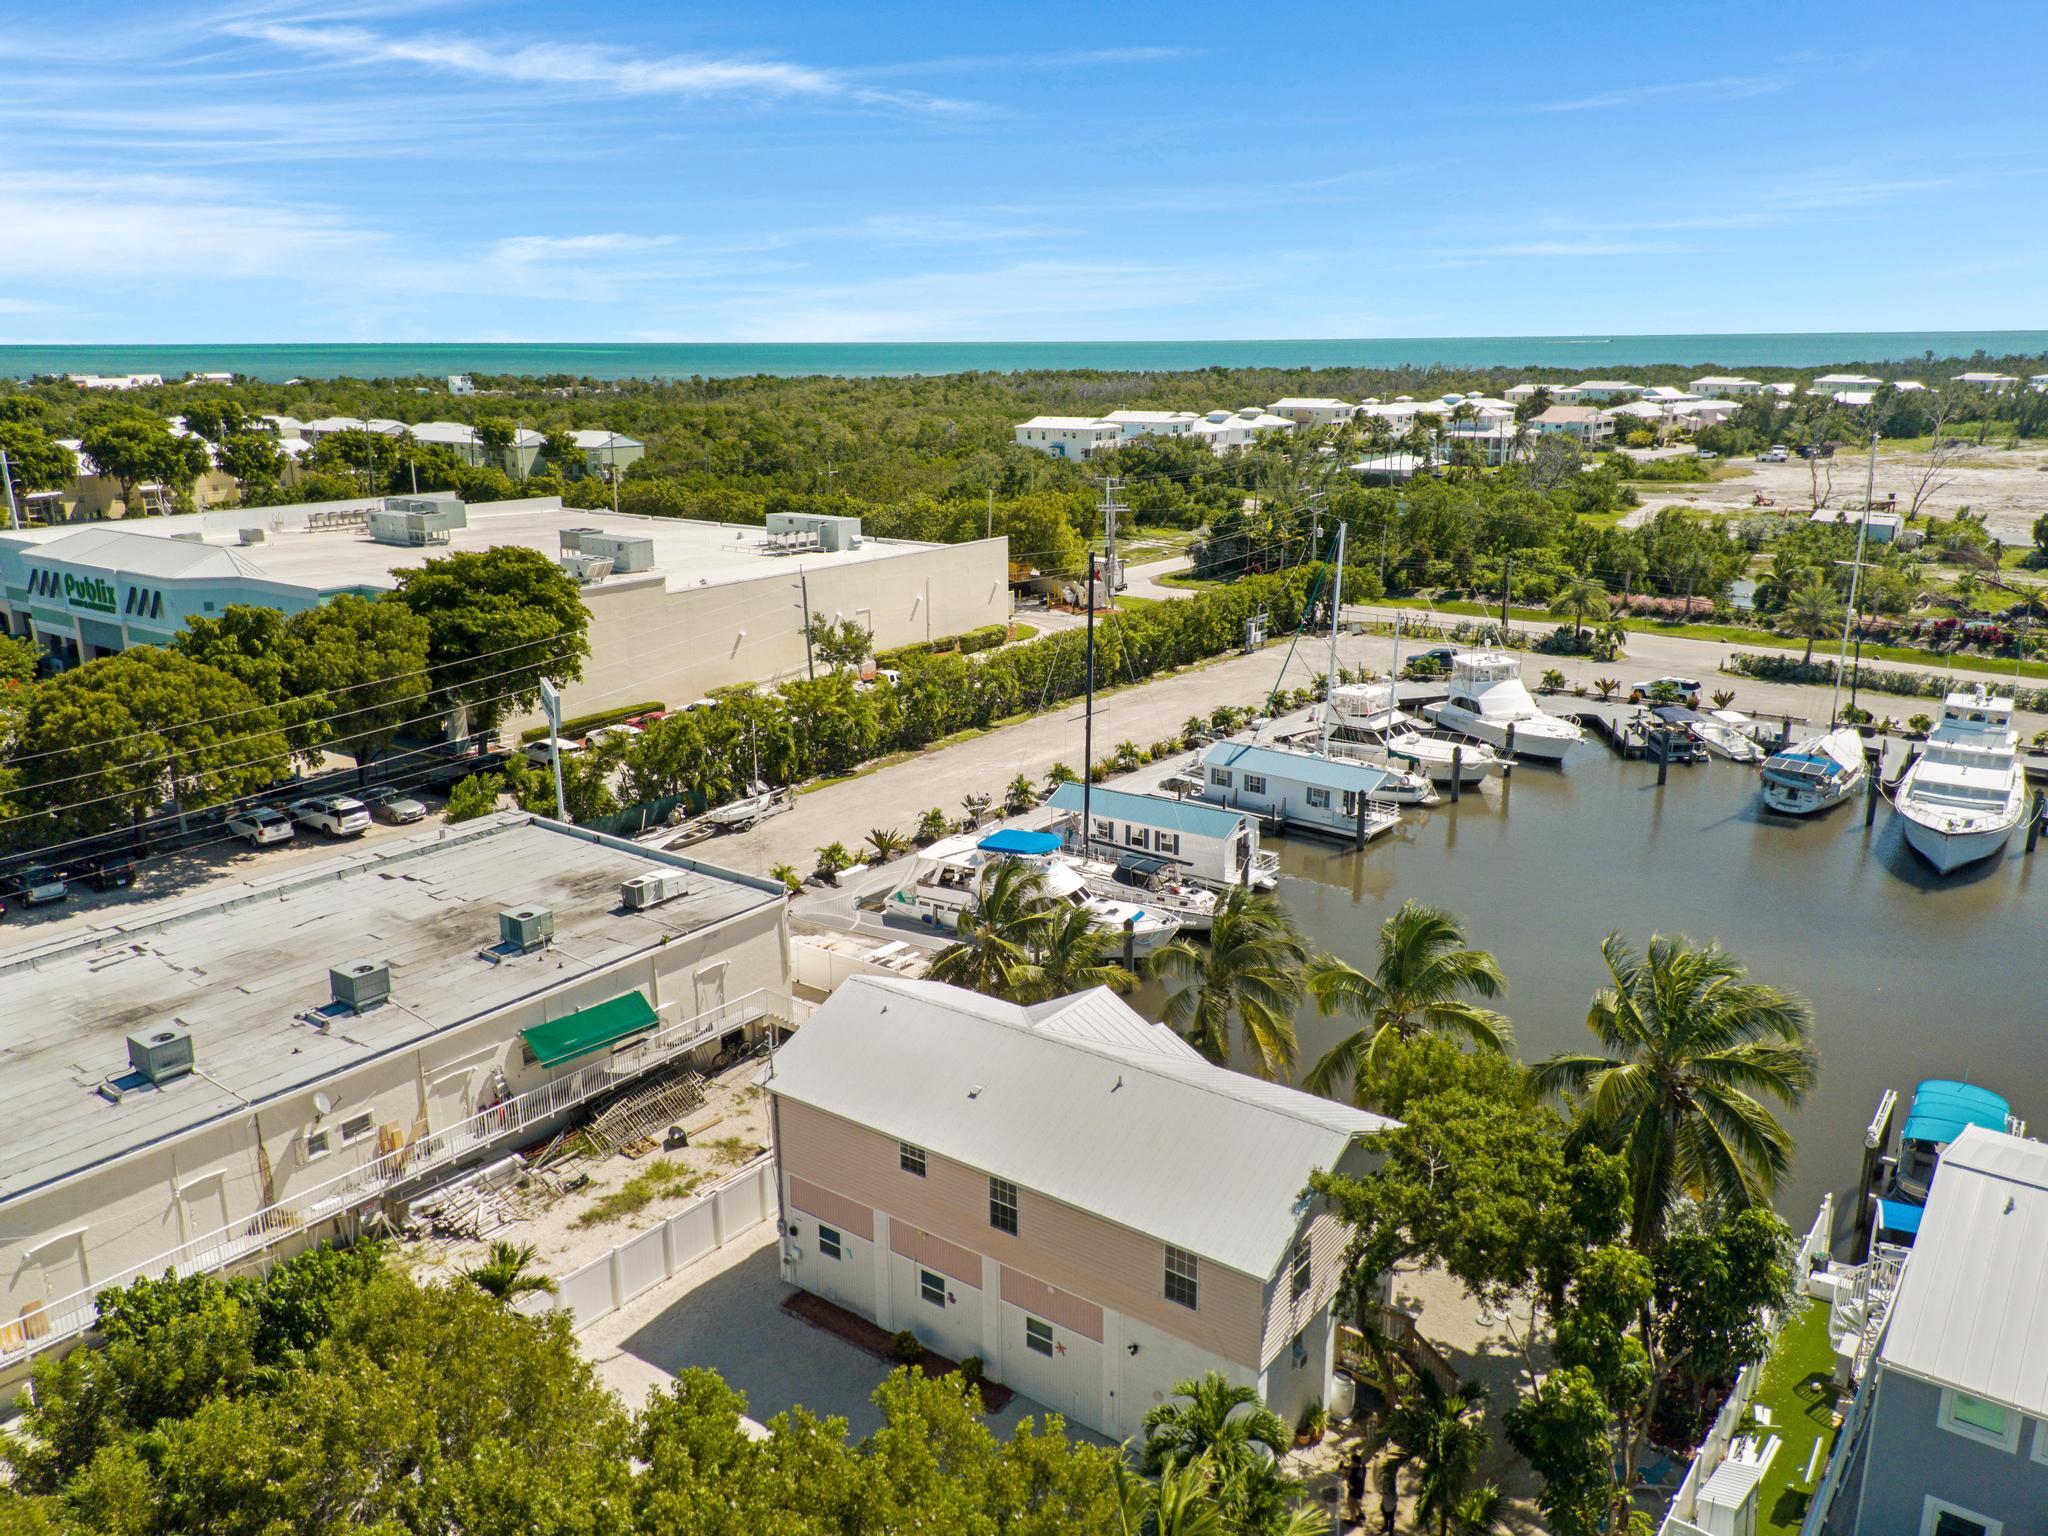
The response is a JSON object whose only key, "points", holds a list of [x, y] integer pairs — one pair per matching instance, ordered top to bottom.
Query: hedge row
{"points": [[987, 638], [1912, 685], [583, 725]]}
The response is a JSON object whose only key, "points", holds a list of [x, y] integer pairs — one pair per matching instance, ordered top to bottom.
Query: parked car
{"points": [[1708, 453], [1775, 454], [1687, 689], [605, 733], [537, 751], [394, 806], [336, 815], [261, 825], [111, 871], [38, 885]]}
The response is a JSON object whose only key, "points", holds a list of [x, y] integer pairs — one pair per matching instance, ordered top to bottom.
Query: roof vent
{"points": [[253, 535], [652, 888], [526, 928], [361, 985], [161, 1054]]}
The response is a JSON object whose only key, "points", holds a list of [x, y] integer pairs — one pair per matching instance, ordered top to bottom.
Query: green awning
{"points": [[588, 1029]]}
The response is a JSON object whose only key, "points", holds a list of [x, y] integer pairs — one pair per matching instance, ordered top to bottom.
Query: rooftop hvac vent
{"points": [[253, 535], [572, 538], [627, 552], [587, 568], [653, 888], [526, 928], [362, 985], [161, 1054]]}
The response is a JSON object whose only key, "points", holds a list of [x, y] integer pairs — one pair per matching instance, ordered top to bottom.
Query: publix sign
{"points": [[94, 592]]}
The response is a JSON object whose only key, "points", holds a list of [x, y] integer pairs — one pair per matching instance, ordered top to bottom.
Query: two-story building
{"points": [[1726, 386], [1606, 389], [1314, 411], [1134, 424], [1584, 424], [1225, 430], [1069, 437], [1210, 843], [202, 1080], [1067, 1191], [1948, 1433]]}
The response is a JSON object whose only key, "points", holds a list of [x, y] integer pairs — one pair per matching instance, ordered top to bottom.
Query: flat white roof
{"points": [[1308, 402], [1069, 423], [686, 554], [242, 962], [1081, 1099], [1972, 1307]]}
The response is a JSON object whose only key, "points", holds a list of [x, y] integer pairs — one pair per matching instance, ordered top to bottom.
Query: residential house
{"points": [[116, 381], [2038, 382], [1828, 383], [1990, 383], [461, 384], [1725, 386], [1607, 389], [1558, 394], [1665, 394], [1313, 412], [1154, 423], [1584, 424], [325, 426], [1225, 430], [1069, 437], [604, 453], [93, 496], [1884, 526], [1333, 796], [1212, 844], [223, 1075], [1067, 1191], [1948, 1432]]}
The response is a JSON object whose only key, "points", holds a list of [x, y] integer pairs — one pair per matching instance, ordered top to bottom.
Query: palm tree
{"points": [[1578, 597], [1810, 611], [1060, 774], [1020, 796], [887, 843], [787, 874], [998, 934], [1071, 955], [1252, 969], [1422, 985], [1689, 1043], [508, 1272], [1211, 1416], [1440, 1435], [1478, 1513]]}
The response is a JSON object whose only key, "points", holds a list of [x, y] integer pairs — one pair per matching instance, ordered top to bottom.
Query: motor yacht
{"points": [[1487, 700], [1365, 715], [1966, 792], [945, 879]]}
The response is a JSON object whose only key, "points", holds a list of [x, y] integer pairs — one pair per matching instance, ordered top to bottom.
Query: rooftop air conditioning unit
{"points": [[252, 535], [572, 538], [629, 552], [587, 568], [652, 888], [526, 928], [361, 985], [161, 1054]]}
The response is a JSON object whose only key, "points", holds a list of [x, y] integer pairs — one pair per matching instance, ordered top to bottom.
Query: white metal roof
{"points": [[1070, 423], [133, 553], [1081, 1100], [1972, 1308]]}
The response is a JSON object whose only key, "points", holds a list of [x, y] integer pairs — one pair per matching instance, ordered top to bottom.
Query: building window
{"points": [[1220, 776], [1254, 784], [1319, 799], [1105, 831], [1136, 837], [1166, 842], [356, 1127], [315, 1146], [910, 1158], [1002, 1206], [828, 1242], [1302, 1270], [1181, 1280], [931, 1287], [1038, 1336], [1976, 1418], [1938, 1517]]}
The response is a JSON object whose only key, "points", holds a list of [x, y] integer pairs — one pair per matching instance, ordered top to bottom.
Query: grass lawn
{"points": [[1799, 1394]]}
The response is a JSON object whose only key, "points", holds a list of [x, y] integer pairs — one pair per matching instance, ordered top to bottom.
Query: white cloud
{"points": [[591, 66], [1719, 88], [527, 249]]}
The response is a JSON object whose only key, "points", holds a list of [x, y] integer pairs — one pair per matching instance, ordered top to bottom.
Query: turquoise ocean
{"points": [[663, 360]]}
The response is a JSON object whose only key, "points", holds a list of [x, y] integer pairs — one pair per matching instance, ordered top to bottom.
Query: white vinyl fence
{"points": [[734, 1205]]}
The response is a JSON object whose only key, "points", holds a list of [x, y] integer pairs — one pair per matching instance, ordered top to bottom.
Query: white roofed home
{"points": [[1828, 383], [1991, 383], [1725, 386], [1607, 389], [1558, 394], [1313, 412], [1154, 423], [1585, 423], [1225, 430], [1069, 437], [1066, 1190], [1948, 1431]]}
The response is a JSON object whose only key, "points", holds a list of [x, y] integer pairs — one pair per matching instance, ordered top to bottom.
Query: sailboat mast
{"points": [[1855, 580], [1336, 608], [1088, 722]]}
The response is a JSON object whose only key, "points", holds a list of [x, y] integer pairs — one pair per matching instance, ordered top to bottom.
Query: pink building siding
{"points": [[834, 1210], [1068, 1249], [933, 1252], [1053, 1304]]}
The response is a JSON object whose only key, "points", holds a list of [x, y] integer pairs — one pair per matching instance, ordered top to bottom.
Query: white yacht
{"points": [[1487, 700], [1365, 715], [1728, 734], [1815, 774], [1966, 793], [944, 879], [1161, 884]]}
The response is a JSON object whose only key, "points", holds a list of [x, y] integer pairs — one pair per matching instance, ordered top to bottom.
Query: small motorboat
{"points": [[1816, 774]]}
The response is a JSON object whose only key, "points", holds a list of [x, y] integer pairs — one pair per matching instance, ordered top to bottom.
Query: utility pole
{"points": [[611, 447], [7, 479], [1110, 507], [988, 526], [1507, 586], [810, 656], [551, 706], [1088, 718]]}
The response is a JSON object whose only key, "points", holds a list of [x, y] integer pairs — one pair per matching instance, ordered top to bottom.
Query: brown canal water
{"points": [[1909, 976]]}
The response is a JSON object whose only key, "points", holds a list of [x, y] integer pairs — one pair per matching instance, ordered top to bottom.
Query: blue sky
{"points": [[641, 171]]}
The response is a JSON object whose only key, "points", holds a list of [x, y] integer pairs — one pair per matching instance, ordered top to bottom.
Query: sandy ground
{"points": [[2009, 486], [730, 1129]]}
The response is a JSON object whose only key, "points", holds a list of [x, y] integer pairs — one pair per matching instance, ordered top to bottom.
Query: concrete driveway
{"points": [[725, 1313]]}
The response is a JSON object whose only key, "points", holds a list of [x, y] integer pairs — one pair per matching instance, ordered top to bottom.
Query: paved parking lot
{"points": [[725, 1312]]}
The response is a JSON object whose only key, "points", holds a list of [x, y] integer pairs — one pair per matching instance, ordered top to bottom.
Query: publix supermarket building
{"points": [[677, 608]]}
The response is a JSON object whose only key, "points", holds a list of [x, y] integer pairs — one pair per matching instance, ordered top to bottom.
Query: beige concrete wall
{"points": [[648, 643], [129, 1211], [1056, 1244]]}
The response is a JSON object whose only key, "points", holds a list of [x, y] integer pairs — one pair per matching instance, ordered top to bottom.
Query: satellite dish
{"points": [[322, 1105]]}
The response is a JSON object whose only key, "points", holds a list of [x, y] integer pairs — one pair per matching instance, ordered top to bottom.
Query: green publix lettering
{"points": [[94, 592]]}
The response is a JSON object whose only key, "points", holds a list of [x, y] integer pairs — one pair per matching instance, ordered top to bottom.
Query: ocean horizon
{"points": [[681, 360]]}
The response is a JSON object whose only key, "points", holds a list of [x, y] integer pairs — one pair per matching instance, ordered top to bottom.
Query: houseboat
{"points": [[1366, 716], [1300, 791], [1209, 844]]}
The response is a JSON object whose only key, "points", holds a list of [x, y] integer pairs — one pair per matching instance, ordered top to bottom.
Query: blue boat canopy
{"points": [[1016, 840], [1942, 1110], [1898, 1216]]}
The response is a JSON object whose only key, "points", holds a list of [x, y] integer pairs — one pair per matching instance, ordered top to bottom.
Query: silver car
{"points": [[394, 806]]}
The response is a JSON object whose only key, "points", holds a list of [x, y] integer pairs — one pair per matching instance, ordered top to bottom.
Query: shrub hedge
{"points": [[1913, 685]]}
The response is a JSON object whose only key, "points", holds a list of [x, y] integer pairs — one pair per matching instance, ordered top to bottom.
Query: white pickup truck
{"points": [[336, 815]]}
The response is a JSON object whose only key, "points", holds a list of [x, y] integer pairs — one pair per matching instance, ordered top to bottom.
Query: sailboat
{"points": [[1367, 715]]}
